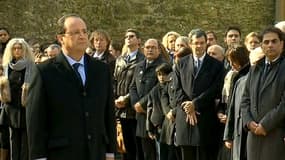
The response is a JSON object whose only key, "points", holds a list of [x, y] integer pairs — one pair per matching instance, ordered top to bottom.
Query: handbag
{"points": [[5, 95], [120, 139]]}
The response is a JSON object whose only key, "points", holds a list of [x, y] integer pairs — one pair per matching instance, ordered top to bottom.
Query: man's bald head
{"points": [[281, 26], [217, 52]]}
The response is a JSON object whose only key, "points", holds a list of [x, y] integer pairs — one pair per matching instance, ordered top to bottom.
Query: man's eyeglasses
{"points": [[77, 33], [130, 36]]}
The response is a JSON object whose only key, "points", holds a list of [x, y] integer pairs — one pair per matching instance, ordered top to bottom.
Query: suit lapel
{"points": [[191, 59], [65, 70], [91, 70], [188, 70], [270, 77], [256, 79]]}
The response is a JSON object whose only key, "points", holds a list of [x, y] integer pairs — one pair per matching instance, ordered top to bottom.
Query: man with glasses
{"points": [[123, 75], [144, 80], [70, 111]]}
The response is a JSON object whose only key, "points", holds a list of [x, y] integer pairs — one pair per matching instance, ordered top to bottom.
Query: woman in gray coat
{"points": [[234, 135]]}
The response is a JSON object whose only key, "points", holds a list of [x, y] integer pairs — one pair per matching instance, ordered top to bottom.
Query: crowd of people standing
{"points": [[186, 97]]}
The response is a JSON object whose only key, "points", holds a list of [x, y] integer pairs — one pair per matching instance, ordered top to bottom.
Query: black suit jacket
{"points": [[202, 89], [66, 120]]}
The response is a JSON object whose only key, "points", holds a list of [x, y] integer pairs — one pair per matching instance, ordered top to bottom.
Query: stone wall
{"points": [[153, 18]]}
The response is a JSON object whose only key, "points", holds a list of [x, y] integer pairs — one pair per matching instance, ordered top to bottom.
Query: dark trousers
{"points": [[129, 135], [4, 137], [18, 144], [148, 148], [169, 152], [140, 153], [198, 153]]}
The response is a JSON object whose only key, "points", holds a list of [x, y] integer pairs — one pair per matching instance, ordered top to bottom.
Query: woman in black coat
{"points": [[17, 64]]}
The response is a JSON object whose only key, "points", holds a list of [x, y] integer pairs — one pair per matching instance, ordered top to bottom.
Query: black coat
{"points": [[123, 76], [144, 80], [202, 89], [162, 101], [14, 114], [66, 120]]}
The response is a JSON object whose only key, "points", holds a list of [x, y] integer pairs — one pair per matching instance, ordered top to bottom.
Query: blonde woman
{"points": [[168, 41], [252, 41], [17, 64]]}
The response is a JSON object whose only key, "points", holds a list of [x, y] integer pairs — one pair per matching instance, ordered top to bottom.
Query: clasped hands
{"points": [[120, 102], [138, 108], [191, 114], [256, 128]]}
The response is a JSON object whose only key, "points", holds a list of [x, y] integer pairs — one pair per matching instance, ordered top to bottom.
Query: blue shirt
{"points": [[81, 69]]}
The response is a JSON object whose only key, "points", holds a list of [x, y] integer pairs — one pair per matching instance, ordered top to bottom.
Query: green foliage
{"points": [[153, 18]]}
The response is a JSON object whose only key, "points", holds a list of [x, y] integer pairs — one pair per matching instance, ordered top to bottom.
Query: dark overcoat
{"points": [[144, 80], [202, 89], [264, 103], [66, 120]]}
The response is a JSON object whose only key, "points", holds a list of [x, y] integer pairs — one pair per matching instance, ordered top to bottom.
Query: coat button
{"points": [[89, 137]]}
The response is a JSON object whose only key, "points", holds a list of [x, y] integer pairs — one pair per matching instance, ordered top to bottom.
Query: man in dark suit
{"points": [[199, 79], [144, 80], [263, 101], [70, 111]]}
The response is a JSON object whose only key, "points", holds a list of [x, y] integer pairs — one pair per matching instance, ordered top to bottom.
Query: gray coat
{"points": [[168, 103], [264, 103], [233, 129]]}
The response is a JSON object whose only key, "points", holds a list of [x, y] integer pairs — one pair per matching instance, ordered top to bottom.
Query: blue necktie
{"points": [[128, 58], [197, 66], [75, 67]]}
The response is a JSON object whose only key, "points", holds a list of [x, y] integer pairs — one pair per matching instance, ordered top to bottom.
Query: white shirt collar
{"points": [[98, 55], [201, 58], [72, 61], [269, 62]]}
